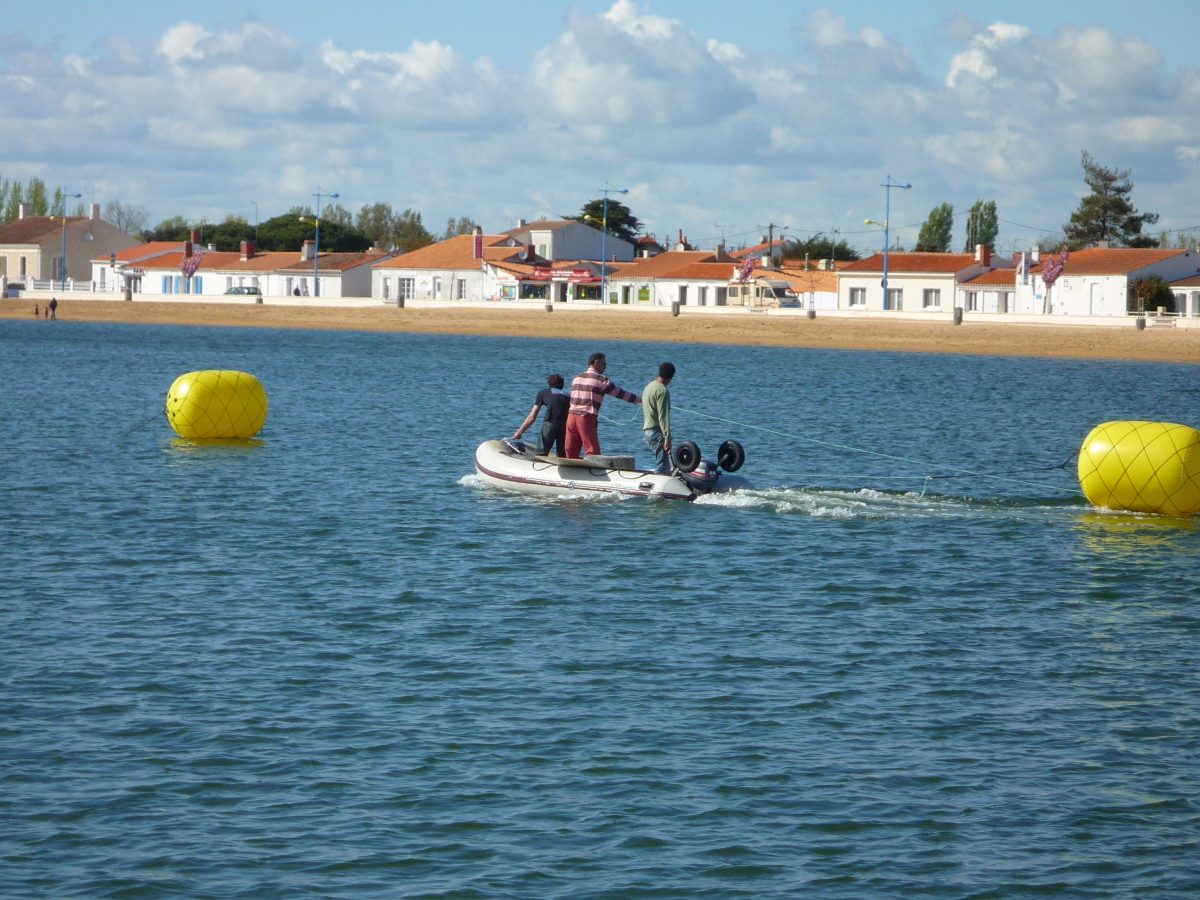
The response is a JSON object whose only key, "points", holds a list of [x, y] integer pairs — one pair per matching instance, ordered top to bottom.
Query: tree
{"points": [[16, 196], [38, 204], [337, 214], [1106, 215], [128, 217], [378, 222], [621, 222], [983, 224], [455, 227], [175, 228], [288, 232], [935, 233], [410, 234], [228, 236], [819, 247], [1151, 293]]}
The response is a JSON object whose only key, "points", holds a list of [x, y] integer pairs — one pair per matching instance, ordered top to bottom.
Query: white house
{"points": [[567, 239], [184, 267], [686, 277], [1097, 281], [917, 282], [1187, 296]]}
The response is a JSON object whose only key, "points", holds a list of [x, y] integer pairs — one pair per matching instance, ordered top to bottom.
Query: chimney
{"points": [[21, 211], [94, 215], [521, 223], [187, 246], [248, 249], [306, 251], [1037, 253], [985, 256]]}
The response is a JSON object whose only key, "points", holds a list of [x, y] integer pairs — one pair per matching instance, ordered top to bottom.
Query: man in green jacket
{"points": [[656, 417]]}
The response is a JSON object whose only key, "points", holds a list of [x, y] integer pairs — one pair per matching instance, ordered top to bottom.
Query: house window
{"points": [[22, 267], [386, 286], [437, 287], [405, 288], [460, 289], [858, 296], [895, 298], [931, 298], [1006, 302]]}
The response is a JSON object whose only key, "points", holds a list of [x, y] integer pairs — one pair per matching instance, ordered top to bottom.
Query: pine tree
{"points": [[1106, 215]]}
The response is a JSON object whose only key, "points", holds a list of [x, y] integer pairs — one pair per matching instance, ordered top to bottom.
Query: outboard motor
{"points": [[703, 478]]}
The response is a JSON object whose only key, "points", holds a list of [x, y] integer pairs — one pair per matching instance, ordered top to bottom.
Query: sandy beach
{"points": [[601, 325]]}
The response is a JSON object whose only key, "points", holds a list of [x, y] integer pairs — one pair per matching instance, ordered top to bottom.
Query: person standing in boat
{"points": [[587, 393], [656, 417], [554, 426]]}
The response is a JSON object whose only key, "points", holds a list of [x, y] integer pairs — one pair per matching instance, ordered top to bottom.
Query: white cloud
{"points": [[708, 130]]}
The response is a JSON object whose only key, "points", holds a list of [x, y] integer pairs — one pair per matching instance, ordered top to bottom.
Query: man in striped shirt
{"points": [[587, 393]]}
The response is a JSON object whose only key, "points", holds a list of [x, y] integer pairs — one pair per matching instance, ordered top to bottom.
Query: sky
{"points": [[720, 121]]}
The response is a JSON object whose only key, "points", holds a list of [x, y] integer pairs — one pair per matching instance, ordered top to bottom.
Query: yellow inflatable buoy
{"points": [[217, 403], [1151, 467]]}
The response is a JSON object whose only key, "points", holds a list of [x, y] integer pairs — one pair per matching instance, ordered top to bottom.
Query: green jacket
{"points": [[656, 408]]}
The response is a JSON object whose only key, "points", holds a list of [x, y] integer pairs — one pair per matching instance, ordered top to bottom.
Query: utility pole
{"points": [[771, 226], [833, 248]]}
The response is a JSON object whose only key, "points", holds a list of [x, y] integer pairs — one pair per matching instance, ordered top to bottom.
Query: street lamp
{"points": [[606, 190], [886, 223], [317, 242], [62, 285]]}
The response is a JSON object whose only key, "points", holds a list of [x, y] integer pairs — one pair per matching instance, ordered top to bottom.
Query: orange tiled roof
{"points": [[454, 253], [1108, 260], [901, 261], [335, 262], [670, 264], [1001, 277], [804, 280]]}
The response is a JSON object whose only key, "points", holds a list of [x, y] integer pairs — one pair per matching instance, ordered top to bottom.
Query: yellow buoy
{"points": [[217, 403], [1151, 467]]}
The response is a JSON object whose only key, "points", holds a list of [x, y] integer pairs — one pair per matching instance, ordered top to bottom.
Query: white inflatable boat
{"points": [[515, 466]]}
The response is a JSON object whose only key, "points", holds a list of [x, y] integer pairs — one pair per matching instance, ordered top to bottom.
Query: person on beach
{"points": [[53, 307], [36, 313], [587, 393], [656, 417], [554, 426]]}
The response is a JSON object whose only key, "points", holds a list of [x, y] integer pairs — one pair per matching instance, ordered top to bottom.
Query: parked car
{"points": [[245, 291]]}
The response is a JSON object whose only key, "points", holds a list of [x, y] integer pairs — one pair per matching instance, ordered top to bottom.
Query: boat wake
{"points": [[873, 503]]}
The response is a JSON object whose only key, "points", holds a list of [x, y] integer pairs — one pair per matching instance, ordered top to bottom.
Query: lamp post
{"points": [[887, 185], [604, 241], [317, 242], [62, 284]]}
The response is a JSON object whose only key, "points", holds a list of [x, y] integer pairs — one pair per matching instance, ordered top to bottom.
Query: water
{"points": [[331, 663]]}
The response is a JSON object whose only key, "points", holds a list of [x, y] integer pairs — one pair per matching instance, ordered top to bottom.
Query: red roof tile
{"points": [[1108, 260], [901, 261]]}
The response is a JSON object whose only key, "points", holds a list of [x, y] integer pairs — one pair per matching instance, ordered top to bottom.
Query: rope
{"points": [[877, 453]]}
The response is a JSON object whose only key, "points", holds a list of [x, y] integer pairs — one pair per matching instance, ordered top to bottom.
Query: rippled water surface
{"points": [[912, 662]]}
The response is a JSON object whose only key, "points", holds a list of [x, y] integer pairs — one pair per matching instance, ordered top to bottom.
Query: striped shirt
{"points": [[588, 390]]}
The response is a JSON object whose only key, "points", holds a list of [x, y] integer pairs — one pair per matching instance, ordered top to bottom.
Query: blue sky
{"points": [[720, 120]]}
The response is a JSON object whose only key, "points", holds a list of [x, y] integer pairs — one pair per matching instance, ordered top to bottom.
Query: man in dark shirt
{"points": [[554, 426]]}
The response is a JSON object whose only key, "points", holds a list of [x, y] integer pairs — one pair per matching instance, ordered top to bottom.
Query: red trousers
{"points": [[581, 432]]}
